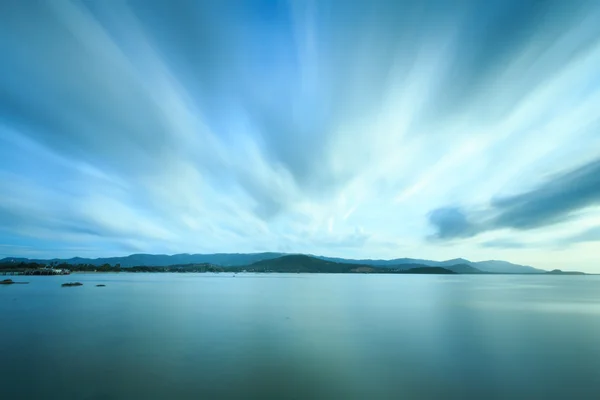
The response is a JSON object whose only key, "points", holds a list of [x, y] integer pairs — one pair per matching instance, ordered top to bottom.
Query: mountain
{"points": [[244, 259], [162, 260], [454, 261], [291, 263], [303, 263], [381, 263], [501, 267], [504, 267], [457, 268], [463, 269], [429, 270]]}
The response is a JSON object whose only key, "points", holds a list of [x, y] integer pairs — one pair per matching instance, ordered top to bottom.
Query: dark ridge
{"points": [[227, 260], [308, 264], [560, 272]]}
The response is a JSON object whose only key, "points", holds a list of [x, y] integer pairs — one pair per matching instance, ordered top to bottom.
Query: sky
{"points": [[364, 129]]}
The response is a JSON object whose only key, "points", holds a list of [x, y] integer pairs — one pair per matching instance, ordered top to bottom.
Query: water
{"points": [[191, 336]]}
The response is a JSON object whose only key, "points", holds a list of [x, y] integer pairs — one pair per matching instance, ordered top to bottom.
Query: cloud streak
{"points": [[322, 127], [552, 202]]}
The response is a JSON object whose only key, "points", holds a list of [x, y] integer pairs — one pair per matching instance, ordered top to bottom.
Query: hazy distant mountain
{"points": [[244, 259], [163, 260], [454, 261], [485, 266], [505, 267]]}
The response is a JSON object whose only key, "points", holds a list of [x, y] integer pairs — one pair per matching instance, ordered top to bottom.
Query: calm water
{"points": [[169, 336]]}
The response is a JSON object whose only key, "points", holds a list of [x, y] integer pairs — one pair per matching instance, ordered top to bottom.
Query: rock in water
{"points": [[10, 282], [68, 284]]}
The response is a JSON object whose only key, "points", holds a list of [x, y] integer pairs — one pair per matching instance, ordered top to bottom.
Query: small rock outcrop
{"points": [[10, 282], [68, 284]]}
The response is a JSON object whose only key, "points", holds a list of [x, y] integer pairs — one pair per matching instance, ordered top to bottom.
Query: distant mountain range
{"points": [[303, 263], [458, 265], [493, 266]]}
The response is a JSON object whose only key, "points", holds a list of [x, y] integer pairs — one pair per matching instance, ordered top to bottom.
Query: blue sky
{"points": [[430, 129]]}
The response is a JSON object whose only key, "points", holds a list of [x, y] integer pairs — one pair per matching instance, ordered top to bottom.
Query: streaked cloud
{"points": [[339, 128], [552, 202]]}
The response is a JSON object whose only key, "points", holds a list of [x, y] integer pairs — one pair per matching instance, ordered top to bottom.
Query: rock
{"points": [[10, 282], [68, 284], [100, 285]]}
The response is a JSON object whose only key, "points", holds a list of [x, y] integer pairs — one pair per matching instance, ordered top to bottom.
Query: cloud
{"points": [[218, 126], [556, 200], [552, 202], [451, 223], [588, 235], [355, 239], [503, 244]]}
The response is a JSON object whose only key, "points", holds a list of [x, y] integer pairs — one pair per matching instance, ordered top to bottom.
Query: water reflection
{"points": [[301, 336]]}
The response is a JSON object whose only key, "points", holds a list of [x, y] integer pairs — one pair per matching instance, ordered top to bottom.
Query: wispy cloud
{"points": [[322, 127], [555, 201]]}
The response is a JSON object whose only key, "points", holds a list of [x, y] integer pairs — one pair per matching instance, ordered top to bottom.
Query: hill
{"points": [[246, 259], [160, 260], [302, 263], [308, 264], [502, 267], [463, 269], [428, 270], [560, 272]]}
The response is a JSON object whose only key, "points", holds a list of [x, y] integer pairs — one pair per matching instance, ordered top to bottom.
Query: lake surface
{"points": [[192, 336]]}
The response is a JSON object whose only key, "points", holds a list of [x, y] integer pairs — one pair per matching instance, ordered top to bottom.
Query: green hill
{"points": [[308, 264]]}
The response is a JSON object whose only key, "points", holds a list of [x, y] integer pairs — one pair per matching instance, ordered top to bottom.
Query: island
{"points": [[561, 272]]}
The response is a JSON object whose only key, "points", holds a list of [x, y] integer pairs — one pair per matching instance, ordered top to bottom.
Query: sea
{"points": [[300, 336]]}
